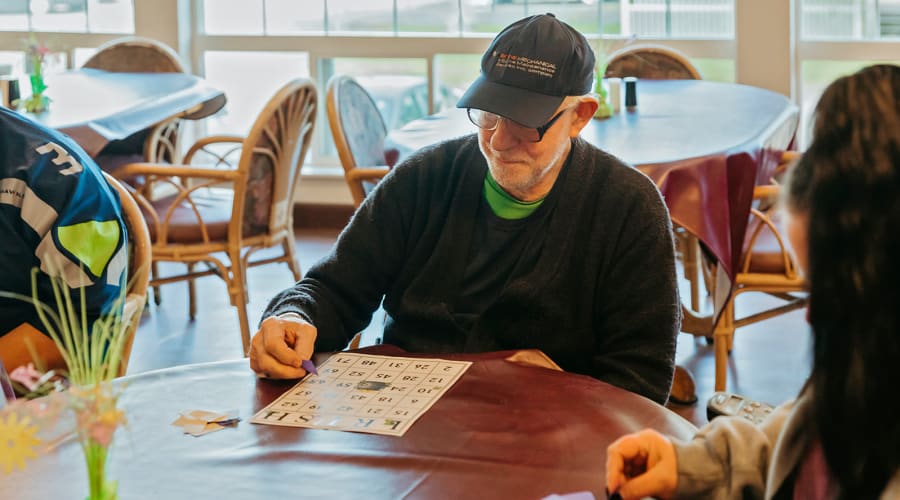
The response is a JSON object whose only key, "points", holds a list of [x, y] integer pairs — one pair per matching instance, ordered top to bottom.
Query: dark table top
{"points": [[95, 107], [504, 430]]}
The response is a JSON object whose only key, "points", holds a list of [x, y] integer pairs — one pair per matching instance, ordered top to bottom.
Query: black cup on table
{"points": [[630, 93]]}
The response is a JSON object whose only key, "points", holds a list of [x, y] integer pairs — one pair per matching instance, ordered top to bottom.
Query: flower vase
{"points": [[35, 53], [38, 102], [604, 110], [97, 419], [95, 455]]}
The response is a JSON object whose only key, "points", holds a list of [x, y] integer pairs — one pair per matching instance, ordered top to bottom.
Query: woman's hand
{"points": [[641, 465]]}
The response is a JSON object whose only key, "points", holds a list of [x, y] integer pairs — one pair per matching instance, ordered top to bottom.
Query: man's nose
{"points": [[503, 137]]}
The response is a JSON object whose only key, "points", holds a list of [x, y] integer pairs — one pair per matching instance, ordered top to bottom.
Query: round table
{"points": [[95, 107], [504, 430]]}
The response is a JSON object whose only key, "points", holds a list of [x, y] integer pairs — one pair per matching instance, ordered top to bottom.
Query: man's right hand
{"points": [[280, 345]]}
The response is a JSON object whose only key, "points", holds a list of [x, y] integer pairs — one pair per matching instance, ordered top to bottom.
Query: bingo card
{"points": [[364, 393]]}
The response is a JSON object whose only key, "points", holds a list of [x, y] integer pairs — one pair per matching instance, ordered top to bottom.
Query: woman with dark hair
{"points": [[840, 439]]}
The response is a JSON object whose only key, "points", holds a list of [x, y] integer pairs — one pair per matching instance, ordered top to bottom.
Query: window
{"points": [[77, 16], [236, 17], [651, 18], [678, 18], [849, 19], [839, 37], [12, 63], [717, 70], [249, 79]]}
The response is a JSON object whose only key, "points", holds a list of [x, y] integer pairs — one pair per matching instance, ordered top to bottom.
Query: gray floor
{"points": [[769, 362]]}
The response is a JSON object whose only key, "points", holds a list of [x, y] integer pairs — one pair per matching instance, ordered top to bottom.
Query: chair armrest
{"points": [[213, 139], [789, 156], [785, 163], [165, 170], [367, 173], [766, 192], [181, 195], [762, 215]]}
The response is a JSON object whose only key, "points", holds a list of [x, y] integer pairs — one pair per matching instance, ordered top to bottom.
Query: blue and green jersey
{"points": [[57, 213]]}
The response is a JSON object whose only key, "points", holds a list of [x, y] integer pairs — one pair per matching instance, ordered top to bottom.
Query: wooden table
{"points": [[95, 107], [504, 430]]}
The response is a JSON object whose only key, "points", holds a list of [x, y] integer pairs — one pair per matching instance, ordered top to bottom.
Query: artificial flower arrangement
{"points": [[36, 52], [92, 353]]}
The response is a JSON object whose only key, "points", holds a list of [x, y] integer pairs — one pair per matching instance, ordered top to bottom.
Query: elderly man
{"points": [[58, 214], [522, 236]]}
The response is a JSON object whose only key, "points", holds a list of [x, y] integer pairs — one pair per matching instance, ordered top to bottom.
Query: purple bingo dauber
{"points": [[308, 365]]}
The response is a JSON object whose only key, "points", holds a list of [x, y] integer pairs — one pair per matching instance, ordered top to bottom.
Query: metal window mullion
{"points": [[599, 17], [669, 18], [196, 32], [432, 83], [320, 134]]}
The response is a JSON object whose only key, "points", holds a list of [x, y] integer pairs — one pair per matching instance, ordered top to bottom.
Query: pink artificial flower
{"points": [[27, 375], [96, 414], [102, 433]]}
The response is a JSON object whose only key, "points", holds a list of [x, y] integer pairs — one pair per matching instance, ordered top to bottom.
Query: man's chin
{"points": [[508, 163], [513, 185]]}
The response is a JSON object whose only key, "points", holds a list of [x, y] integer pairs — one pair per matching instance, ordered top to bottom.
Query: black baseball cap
{"points": [[530, 67]]}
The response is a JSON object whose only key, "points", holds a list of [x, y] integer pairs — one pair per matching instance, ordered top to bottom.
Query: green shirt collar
{"points": [[505, 206]]}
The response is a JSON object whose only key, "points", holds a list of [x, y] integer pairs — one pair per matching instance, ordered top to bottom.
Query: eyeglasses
{"points": [[489, 121]]}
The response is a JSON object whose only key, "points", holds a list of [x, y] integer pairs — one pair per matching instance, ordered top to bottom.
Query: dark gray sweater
{"points": [[595, 288]]}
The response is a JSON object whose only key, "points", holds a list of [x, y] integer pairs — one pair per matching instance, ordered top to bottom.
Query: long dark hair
{"points": [[848, 182]]}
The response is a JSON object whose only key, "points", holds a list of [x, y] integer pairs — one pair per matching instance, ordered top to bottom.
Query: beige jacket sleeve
{"points": [[729, 457]]}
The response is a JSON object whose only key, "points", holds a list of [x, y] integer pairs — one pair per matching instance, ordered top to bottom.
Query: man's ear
{"points": [[584, 111]]}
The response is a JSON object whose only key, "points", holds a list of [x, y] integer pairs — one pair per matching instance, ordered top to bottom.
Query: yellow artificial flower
{"points": [[17, 441]]}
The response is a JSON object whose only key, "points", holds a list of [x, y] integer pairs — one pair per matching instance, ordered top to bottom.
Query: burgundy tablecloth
{"points": [[95, 107], [706, 144], [503, 431]]}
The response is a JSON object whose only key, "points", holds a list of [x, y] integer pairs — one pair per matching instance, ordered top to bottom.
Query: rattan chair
{"points": [[135, 55], [652, 62], [359, 132], [233, 211], [765, 265], [138, 266]]}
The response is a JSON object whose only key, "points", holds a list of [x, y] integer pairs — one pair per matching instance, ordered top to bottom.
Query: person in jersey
{"points": [[57, 214], [520, 236]]}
